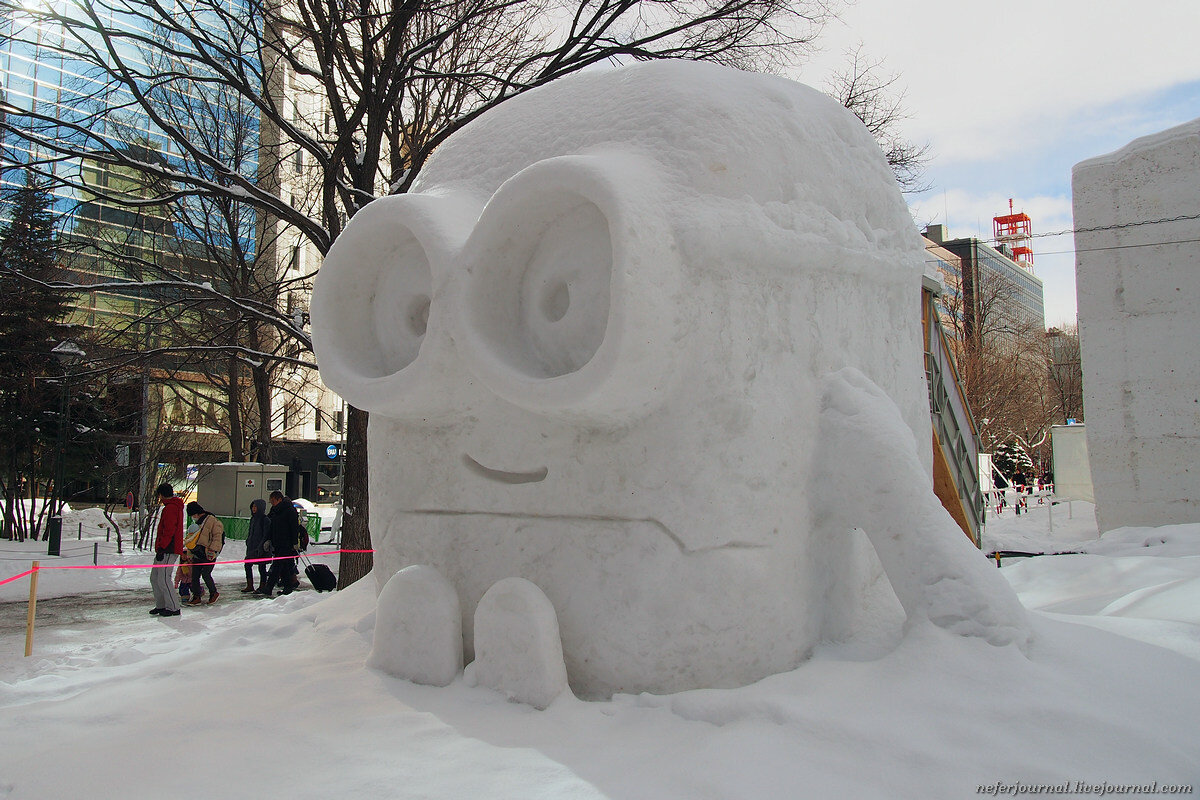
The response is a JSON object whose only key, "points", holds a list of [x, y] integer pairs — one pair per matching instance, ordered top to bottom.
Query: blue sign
{"points": [[332, 451]]}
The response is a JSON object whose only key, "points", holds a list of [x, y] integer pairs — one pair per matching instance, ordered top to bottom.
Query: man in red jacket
{"points": [[168, 546]]}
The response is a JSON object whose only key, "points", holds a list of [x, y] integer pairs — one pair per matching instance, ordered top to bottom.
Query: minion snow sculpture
{"points": [[649, 340]]}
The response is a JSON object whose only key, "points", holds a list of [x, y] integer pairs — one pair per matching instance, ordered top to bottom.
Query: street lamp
{"points": [[68, 354]]}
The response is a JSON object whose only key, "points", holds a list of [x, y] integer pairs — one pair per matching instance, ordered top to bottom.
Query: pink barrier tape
{"points": [[41, 568], [24, 574]]}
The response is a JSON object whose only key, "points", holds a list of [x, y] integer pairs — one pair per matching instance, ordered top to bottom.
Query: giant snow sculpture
{"points": [[1137, 217], [649, 339]]}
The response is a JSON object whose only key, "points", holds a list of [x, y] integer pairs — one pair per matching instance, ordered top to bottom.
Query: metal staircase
{"points": [[955, 434]]}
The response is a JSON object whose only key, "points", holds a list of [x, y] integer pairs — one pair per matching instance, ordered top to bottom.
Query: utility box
{"points": [[1072, 470], [986, 482], [226, 490]]}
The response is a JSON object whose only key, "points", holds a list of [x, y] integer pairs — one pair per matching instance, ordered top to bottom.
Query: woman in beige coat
{"points": [[210, 540]]}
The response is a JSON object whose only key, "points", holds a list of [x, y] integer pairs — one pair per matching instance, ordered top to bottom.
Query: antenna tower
{"points": [[1016, 232]]}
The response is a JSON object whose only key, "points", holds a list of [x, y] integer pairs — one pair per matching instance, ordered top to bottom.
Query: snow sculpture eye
{"points": [[568, 270], [548, 287], [401, 302], [372, 305]]}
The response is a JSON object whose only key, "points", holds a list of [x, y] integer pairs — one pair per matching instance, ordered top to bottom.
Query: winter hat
{"points": [[194, 508]]}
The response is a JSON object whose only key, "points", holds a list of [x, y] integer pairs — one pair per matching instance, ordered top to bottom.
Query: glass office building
{"points": [[83, 131], [83, 134], [987, 275]]}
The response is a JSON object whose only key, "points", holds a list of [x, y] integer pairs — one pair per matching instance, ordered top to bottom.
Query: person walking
{"points": [[190, 534], [285, 535], [258, 539], [209, 541], [168, 546]]}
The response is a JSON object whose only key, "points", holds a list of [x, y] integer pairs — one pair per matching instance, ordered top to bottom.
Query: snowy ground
{"points": [[254, 699]]}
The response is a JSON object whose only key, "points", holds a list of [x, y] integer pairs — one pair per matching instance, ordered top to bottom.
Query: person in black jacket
{"points": [[258, 534], [285, 535]]}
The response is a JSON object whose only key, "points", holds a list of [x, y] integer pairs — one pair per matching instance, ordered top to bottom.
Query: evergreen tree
{"points": [[32, 322], [1012, 458]]}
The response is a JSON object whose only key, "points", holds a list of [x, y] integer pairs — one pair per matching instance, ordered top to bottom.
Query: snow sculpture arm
{"points": [[935, 573]]}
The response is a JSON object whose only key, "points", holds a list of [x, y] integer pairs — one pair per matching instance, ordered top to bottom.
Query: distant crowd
{"points": [[275, 534]]}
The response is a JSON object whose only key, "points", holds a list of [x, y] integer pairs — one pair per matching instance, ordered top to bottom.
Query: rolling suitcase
{"points": [[320, 576]]}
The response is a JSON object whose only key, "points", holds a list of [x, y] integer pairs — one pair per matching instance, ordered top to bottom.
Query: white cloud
{"points": [[985, 80], [1010, 96]]}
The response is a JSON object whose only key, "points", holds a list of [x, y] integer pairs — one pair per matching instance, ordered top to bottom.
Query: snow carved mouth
{"points": [[502, 476]]}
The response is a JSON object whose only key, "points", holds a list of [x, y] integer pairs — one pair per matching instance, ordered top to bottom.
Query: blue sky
{"points": [[1011, 96]]}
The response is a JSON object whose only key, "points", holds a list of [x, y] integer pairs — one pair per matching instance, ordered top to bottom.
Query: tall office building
{"points": [[999, 293]]}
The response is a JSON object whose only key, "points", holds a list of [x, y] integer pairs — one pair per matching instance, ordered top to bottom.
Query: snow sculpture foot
{"points": [[936, 573], [418, 629], [517, 647]]}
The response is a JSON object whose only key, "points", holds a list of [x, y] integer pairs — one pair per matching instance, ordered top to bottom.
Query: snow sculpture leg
{"points": [[935, 573], [418, 629], [517, 647]]}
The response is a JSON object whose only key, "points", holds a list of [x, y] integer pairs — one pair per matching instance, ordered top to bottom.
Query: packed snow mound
{"points": [[593, 342], [1168, 540]]}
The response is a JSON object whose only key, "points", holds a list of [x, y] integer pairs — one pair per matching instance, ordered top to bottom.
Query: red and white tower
{"points": [[1016, 232]]}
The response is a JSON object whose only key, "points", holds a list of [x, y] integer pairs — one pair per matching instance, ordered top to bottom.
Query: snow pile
{"points": [[593, 342], [1169, 540], [936, 716]]}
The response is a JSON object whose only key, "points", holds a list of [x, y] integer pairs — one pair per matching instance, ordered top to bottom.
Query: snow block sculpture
{"points": [[1137, 222], [593, 341], [418, 628], [517, 646]]}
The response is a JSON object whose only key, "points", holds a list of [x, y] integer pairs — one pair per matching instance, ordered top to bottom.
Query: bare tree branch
{"points": [[877, 98]]}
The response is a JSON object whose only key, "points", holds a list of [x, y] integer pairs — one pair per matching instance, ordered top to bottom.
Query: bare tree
{"points": [[356, 96], [877, 99], [1001, 355], [1065, 370]]}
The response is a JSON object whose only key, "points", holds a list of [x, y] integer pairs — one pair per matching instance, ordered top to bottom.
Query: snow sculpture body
{"points": [[597, 340]]}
